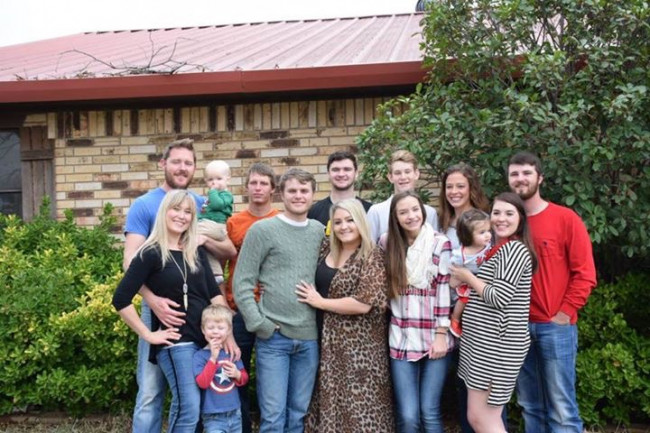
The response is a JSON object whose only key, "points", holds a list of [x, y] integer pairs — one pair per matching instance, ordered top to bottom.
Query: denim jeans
{"points": [[245, 340], [176, 364], [286, 372], [546, 384], [418, 389], [148, 412], [224, 422]]}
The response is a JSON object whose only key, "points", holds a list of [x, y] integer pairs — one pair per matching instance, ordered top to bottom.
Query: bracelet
{"points": [[441, 332]]}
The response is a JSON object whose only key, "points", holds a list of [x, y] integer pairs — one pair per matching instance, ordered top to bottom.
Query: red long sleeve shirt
{"points": [[566, 273], [205, 378]]}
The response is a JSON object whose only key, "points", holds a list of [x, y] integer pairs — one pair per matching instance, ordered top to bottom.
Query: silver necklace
{"points": [[184, 275]]}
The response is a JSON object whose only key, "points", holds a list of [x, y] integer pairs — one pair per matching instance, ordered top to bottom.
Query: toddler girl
{"points": [[473, 229]]}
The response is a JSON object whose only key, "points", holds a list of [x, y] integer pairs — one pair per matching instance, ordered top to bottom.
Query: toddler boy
{"points": [[216, 209], [217, 375]]}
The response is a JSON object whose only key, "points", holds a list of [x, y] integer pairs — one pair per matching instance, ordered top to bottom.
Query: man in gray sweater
{"points": [[278, 253]]}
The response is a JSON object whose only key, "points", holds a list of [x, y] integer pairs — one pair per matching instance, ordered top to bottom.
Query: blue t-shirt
{"points": [[142, 213], [222, 395]]}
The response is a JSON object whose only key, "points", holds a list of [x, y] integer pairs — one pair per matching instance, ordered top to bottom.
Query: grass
{"points": [[60, 423]]}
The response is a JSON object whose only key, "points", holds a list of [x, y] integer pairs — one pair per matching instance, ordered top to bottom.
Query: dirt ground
{"points": [[61, 423]]}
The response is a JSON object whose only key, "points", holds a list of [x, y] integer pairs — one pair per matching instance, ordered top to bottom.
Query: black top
{"points": [[320, 211], [324, 277], [167, 282]]}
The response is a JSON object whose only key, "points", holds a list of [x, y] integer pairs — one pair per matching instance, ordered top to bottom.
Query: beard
{"points": [[169, 180], [526, 193]]}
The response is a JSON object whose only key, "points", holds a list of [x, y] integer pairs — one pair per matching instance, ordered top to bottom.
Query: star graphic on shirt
{"points": [[223, 377]]}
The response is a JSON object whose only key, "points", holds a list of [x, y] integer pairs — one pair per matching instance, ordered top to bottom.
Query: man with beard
{"points": [[178, 163], [342, 172], [564, 279]]}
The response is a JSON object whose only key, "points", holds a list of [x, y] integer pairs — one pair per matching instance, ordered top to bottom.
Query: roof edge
{"points": [[254, 23], [212, 83]]}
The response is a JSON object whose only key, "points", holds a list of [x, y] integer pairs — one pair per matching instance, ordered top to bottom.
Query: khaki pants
{"points": [[216, 231]]}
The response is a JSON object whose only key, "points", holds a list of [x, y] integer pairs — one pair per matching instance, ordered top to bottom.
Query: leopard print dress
{"points": [[353, 390]]}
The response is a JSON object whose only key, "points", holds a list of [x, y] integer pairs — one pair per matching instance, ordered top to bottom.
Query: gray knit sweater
{"points": [[278, 255]]}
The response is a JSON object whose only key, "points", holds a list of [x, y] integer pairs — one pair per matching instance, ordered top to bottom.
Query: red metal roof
{"points": [[229, 59]]}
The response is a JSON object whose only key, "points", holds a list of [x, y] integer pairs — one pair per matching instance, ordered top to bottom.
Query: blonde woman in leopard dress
{"points": [[353, 392]]}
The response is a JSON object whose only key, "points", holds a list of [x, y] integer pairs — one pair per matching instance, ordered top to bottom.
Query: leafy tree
{"points": [[566, 79]]}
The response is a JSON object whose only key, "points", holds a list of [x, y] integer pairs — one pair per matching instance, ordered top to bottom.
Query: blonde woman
{"points": [[171, 265], [353, 392]]}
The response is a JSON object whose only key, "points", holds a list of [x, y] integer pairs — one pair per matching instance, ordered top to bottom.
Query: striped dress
{"points": [[495, 328]]}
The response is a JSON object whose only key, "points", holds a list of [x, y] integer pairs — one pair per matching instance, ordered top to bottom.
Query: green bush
{"points": [[63, 347], [613, 364]]}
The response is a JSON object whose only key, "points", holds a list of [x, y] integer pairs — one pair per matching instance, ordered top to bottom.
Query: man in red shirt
{"points": [[260, 184], [564, 279]]}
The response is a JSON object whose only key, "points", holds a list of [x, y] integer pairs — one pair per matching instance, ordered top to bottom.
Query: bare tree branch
{"points": [[166, 66]]}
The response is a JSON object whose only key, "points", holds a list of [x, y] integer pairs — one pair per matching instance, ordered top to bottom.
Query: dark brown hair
{"points": [[341, 155], [526, 158], [466, 223], [522, 232], [397, 245]]}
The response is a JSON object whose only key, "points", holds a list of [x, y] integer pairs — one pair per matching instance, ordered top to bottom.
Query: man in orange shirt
{"points": [[260, 184]]}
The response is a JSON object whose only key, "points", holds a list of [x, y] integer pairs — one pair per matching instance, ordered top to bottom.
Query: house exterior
{"points": [[84, 118]]}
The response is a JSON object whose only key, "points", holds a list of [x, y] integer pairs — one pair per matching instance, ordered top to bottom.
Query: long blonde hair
{"points": [[354, 208], [159, 237]]}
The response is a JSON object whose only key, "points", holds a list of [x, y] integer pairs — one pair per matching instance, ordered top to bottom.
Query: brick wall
{"points": [[112, 156]]}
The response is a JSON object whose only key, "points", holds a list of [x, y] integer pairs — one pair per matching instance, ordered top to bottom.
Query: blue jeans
{"points": [[245, 340], [176, 364], [286, 372], [546, 388], [418, 389], [148, 412], [224, 422]]}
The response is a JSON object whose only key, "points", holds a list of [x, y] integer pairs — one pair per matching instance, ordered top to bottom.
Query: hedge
{"points": [[63, 346]]}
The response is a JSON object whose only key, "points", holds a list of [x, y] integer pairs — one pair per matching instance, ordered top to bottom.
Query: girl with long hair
{"points": [[461, 192], [417, 267], [495, 321]]}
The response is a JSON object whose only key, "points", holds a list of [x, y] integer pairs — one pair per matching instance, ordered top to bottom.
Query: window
{"points": [[10, 181]]}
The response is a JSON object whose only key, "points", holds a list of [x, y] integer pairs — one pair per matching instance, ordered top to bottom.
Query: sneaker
{"points": [[455, 328]]}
